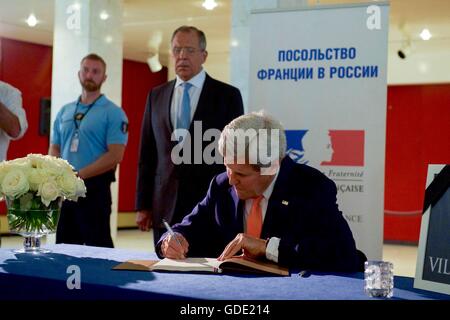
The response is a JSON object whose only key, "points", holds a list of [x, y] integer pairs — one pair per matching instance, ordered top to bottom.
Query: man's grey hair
{"points": [[188, 29], [255, 138]]}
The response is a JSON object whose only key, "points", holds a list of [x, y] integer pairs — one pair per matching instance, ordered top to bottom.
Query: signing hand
{"points": [[252, 247], [173, 249]]}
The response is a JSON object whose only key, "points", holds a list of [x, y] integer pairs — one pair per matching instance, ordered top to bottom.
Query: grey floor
{"points": [[402, 256]]}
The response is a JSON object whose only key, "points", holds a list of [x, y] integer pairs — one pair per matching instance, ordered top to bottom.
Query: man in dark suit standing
{"points": [[166, 188], [266, 205]]}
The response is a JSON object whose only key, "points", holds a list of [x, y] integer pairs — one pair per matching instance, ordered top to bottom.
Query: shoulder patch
{"points": [[124, 126]]}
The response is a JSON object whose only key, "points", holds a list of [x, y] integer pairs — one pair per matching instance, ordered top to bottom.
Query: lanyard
{"points": [[80, 116]]}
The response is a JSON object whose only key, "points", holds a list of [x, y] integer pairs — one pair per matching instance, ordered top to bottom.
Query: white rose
{"points": [[36, 160], [21, 164], [64, 164], [57, 165], [4, 169], [51, 173], [36, 177], [67, 183], [15, 184], [81, 190], [48, 191]]}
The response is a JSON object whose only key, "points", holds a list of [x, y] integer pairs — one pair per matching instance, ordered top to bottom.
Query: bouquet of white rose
{"points": [[34, 185]]}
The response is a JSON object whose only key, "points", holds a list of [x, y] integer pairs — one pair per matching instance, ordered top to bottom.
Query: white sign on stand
{"points": [[322, 72], [433, 256]]}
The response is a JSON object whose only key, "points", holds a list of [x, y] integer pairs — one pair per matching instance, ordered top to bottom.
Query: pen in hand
{"points": [[172, 233], [304, 274]]}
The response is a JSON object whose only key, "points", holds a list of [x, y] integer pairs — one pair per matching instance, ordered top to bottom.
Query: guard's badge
{"points": [[79, 116], [124, 127]]}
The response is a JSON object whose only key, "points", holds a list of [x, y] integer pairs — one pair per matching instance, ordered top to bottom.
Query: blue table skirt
{"points": [[45, 276]]}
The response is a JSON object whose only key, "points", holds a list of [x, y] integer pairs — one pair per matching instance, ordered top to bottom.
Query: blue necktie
{"points": [[184, 112]]}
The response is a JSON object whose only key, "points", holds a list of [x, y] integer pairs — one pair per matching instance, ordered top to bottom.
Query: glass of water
{"points": [[379, 279]]}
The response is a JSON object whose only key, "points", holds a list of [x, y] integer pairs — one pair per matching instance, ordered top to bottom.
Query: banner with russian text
{"points": [[322, 73]]}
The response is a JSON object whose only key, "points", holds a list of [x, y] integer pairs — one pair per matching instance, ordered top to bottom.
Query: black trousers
{"points": [[87, 221]]}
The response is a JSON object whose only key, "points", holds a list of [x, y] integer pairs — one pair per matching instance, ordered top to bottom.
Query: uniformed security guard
{"points": [[91, 133]]}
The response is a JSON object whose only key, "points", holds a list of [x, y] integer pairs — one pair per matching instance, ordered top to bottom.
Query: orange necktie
{"points": [[254, 219]]}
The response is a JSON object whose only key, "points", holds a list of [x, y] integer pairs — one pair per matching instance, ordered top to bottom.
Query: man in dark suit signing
{"points": [[179, 113], [266, 206]]}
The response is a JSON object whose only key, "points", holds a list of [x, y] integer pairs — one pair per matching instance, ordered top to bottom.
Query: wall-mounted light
{"points": [[209, 4], [31, 20], [425, 34], [405, 49], [153, 63]]}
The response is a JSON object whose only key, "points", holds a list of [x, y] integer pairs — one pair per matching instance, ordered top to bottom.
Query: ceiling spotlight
{"points": [[209, 4], [104, 15], [31, 20], [425, 34], [153, 63]]}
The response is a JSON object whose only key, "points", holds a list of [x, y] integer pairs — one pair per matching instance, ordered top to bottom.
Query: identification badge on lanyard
{"points": [[75, 142]]}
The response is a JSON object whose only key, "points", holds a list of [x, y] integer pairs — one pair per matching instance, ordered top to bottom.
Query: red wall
{"points": [[29, 67], [137, 81], [417, 134]]}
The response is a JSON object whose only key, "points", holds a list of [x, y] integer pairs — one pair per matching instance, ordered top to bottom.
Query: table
{"points": [[46, 276]]}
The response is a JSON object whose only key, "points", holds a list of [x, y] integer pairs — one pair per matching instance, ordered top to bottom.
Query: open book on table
{"points": [[239, 264]]}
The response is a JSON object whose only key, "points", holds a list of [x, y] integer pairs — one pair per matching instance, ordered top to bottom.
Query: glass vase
{"points": [[32, 219]]}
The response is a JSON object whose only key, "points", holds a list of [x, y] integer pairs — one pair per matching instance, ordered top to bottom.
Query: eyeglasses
{"points": [[188, 50]]}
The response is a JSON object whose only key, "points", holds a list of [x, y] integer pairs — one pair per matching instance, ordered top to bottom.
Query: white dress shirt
{"points": [[194, 94], [12, 99], [274, 242]]}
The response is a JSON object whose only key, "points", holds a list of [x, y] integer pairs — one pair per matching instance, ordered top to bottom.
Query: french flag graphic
{"points": [[326, 147], [348, 148]]}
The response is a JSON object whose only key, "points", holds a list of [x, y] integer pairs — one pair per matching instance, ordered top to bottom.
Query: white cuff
{"points": [[272, 249]]}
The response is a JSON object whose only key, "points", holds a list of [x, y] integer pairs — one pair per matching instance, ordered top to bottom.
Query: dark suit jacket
{"points": [[173, 190], [302, 212]]}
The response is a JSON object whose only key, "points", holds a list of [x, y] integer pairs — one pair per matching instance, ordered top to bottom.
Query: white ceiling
{"points": [[148, 24]]}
